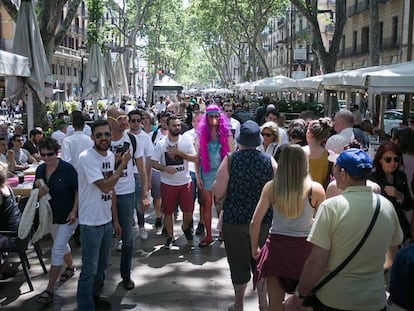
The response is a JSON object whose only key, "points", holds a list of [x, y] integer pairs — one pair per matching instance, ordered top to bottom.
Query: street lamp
{"points": [[82, 49], [142, 83]]}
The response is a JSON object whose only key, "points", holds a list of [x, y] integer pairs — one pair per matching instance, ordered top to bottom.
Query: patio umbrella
{"points": [[28, 42], [13, 65], [110, 74], [120, 76], [94, 82], [271, 84]]}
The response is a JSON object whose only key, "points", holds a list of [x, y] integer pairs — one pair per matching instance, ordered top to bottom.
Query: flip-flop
{"points": [[205, 243], [67, 274], [45, 297]]}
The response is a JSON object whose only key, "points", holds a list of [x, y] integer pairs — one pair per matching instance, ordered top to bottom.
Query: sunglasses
{"points": [[119, 119], [135, 120], [267, 134], [99, 135], [48, 154], [389, 159]]}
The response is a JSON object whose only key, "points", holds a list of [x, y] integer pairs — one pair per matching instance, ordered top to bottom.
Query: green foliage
{"points": [[96, 10], [296, 107]]}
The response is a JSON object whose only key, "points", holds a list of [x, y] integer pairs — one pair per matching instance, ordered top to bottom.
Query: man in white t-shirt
{"points": [[234, 124], [60, 133], [144, 140], [171, 156], [125, 187], [98, 218]]}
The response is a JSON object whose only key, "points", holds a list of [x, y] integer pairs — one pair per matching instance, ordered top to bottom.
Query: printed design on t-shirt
{"points": [[233, 132], [119, 150], [174, 160], [106, 173]]}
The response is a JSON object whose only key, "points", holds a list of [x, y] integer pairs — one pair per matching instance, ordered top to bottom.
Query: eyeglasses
{"points": [[228, 111], [213, 116], [119, 119], [135, 120], [267, 134], [99, 135], [20, 140], [48, 154], [389, 159]]}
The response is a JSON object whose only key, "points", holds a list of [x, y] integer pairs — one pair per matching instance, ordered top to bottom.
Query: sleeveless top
{"points": [[215, 160], [319, 168], [250, 170], [9, 213], [297, 227]]}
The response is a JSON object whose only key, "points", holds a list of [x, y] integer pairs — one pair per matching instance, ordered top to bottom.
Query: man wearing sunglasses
{"points": [[233, 123], [142, 139], [125, 187], [98, 217]]}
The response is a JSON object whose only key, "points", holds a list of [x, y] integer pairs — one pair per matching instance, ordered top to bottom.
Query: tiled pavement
{"points": [[183, 278]]}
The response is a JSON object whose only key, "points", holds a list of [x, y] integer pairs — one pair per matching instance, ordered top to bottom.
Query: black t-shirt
{"points": [[30, 147]]}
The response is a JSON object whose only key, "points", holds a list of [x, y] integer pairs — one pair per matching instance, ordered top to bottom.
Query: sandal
{"points": [[205, 242], [67, 274], [45, 297]]}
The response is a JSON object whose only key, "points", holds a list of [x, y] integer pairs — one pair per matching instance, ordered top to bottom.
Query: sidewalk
{"points": [[183, 278]]}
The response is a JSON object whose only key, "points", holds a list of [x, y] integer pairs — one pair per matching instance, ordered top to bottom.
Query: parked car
{"points": [[392, 119]]}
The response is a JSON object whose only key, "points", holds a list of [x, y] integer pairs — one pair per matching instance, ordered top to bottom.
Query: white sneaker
{"points": [[143, 233], [119, 246]]}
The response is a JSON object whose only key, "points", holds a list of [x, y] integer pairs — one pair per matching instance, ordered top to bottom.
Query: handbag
{"points": [[219, 202], [311, 299]]}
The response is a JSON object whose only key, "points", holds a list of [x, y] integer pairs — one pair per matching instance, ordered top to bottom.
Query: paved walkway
{"points": [[183, 278]]}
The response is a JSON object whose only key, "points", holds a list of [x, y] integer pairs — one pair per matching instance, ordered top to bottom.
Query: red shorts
{"points": [[173, 195]]}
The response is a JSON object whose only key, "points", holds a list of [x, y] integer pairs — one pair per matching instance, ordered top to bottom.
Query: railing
{"points": [[387, 44]]}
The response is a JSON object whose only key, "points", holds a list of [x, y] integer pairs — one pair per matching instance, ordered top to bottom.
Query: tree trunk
{"points": [[374, 33]]}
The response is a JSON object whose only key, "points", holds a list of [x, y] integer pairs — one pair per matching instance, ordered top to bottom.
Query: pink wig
{"points": [[203, 131]]}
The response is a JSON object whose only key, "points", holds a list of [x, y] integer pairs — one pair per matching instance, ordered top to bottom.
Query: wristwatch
{"points": [[298, 295]]}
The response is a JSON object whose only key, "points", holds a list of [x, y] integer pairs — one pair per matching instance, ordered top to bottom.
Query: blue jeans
{"points": [[196, 192], [138, 196], [125, 204], [96, 250]]}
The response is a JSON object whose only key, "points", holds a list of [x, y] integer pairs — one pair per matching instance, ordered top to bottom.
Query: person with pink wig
{"points": [[215, 140]]}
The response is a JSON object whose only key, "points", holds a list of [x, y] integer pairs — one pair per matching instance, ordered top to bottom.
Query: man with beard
{"points": [[171, 156], [125, 187], [98, 217]]}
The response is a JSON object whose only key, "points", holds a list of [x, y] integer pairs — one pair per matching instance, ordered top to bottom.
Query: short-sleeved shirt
{"points": [[29, 146], [161, 155], [21, 156], [126, 183], [63, 185], [94, 205], [340, 223]]}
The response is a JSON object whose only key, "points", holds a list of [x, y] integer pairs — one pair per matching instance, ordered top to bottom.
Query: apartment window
{"points": [[355, 6], [300, 25], [395, 31], [381, 35], [365, 40], [354, 41], [343, 45], [54, 69], [62, 70], [68, 71], [75, 72]]}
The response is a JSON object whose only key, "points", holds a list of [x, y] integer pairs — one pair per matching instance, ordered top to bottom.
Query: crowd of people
{"points": [[293, 203]]}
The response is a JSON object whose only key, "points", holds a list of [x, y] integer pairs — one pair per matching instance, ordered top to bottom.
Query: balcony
{"points": [[387, 44]]}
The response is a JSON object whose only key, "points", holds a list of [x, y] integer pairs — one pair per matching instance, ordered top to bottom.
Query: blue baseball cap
{"points": [[355, 162]]}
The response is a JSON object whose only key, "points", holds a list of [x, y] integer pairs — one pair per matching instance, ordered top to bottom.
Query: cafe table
{"points": [[31, 170], [22, 189]]}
